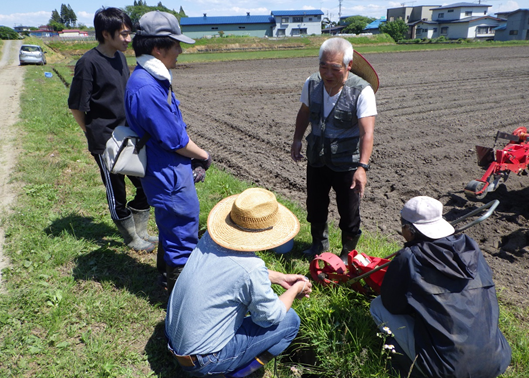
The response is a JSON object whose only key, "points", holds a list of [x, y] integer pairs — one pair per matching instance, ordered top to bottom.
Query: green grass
{"points": [[247, 48], [78, 303]]}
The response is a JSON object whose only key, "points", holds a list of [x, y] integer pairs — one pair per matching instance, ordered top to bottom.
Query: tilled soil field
{"points": [[434, 107]]}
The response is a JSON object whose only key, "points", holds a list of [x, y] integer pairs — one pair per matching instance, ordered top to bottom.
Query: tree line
{"points": [[67, 18]]}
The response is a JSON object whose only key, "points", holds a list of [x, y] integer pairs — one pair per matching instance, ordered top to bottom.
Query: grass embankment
{"points": [[245, 48], [78, 303]]}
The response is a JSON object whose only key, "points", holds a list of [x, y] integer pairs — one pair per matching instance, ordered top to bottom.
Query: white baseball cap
{"points": [[426, 214]]}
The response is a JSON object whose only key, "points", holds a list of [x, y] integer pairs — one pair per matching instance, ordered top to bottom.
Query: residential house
{"points": [[412, 16], [460, 20], [297, 22], [516, 26], [374, 27], [44, 31], [73, 33]]}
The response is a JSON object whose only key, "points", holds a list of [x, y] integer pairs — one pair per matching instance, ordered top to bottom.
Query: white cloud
{"points": [[85, 18], [25, 19]]}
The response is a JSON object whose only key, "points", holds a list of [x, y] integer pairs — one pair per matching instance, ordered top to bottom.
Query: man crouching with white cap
{"points": [[438, 304], [206, 325]]}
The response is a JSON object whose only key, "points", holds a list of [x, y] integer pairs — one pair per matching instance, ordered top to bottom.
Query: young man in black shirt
{"points": [[97, 103]]}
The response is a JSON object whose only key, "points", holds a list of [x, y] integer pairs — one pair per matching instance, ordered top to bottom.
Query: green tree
{"points": [[140, 8], [182, 13], [55, 16], [72, 16], [327, 23], [356, 24], [57, 26], [397, 29], [8, 33]]}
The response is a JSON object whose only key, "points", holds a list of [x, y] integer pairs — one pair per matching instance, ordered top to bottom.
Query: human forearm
{"points": [[79, 117], [302, 122], [367, 128], [192, 151]]}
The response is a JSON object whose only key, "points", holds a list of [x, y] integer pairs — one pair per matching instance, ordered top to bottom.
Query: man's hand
{"points": [[295, 151], [206, 163], [199, 174], [359, 181], [288, 280]]}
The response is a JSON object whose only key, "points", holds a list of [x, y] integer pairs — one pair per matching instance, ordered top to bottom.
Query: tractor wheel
{"points": [[472, 189]]}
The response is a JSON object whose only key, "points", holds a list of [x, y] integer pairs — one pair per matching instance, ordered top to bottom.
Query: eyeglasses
{"points": [[334, 67]]}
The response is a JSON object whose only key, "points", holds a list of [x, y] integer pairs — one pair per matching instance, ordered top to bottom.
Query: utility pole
{"points": [[340, 9]]}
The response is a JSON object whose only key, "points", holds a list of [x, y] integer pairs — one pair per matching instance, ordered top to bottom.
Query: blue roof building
{"points": [[277, 24], [373, 27]]}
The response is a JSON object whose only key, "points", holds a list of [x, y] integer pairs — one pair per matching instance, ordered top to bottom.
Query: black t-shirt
{"points": [[98, 89]]}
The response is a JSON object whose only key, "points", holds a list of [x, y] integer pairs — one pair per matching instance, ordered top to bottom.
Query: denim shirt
{"points": [[215, 291]]}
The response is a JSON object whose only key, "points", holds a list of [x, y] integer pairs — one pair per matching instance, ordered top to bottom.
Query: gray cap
{"points": [[161, 24]]}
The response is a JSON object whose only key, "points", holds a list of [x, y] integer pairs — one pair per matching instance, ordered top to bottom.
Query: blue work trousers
{"points": [[249, 341]]}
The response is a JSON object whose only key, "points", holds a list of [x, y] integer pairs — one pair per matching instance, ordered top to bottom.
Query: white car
{"points": [[31, 54]]}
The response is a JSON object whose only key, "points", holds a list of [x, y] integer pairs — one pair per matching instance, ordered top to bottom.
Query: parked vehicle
{"points": [[31, 54]]}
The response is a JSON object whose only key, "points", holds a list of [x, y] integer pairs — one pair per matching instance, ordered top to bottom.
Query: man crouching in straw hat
{"points": [[438, 301], [207, 328]]}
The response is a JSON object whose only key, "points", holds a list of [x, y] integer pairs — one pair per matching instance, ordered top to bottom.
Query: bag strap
{"points": [[141, 143]]}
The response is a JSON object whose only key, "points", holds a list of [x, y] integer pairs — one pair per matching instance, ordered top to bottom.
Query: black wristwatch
{"points": [[365, 166]]}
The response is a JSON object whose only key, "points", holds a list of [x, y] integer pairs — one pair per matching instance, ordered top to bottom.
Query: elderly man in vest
{"points": [[339, 103]]}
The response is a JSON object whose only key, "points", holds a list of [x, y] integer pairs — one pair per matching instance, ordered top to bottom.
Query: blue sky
{"points": [[38, 12]]}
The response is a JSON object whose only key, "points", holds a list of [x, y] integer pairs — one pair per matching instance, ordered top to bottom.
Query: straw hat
{"points": [[362, 68], [251, 221]]}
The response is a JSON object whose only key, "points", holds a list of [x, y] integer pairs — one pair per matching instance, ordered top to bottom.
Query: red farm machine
{"points": [[498, 164], [364, 273]]}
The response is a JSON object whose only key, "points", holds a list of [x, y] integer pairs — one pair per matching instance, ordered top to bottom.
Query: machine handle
{"points": [[491, 206]]}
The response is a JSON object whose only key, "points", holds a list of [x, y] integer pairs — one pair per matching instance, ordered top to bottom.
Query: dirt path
{"points": [[11, 80], [434, 107]]}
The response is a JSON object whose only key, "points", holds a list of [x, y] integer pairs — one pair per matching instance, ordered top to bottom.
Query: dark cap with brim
{"points": [[161, 24]]}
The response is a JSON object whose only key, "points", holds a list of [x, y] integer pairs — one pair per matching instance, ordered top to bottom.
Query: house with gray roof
{"points": [[459, 20], [297, 22], [277, 24], [516, 26]]}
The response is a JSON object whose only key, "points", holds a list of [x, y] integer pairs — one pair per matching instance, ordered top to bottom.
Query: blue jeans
{"points": [[249, 341]]}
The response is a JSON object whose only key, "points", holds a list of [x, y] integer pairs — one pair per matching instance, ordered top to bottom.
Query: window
{"points": [[450, 11], [468, 13], [441, 15], [310, 18], [297, 19], [284, 20], [242, 27], [214, 28], [435, 30], [444, 30], [485, 30], [280, 32], [513, 32]]}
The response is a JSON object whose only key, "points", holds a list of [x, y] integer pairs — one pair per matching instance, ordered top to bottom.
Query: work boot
{"points": [[141, 221], [127, 229], [320, 239], [349, 242], [173, 272], [255, 364]]}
